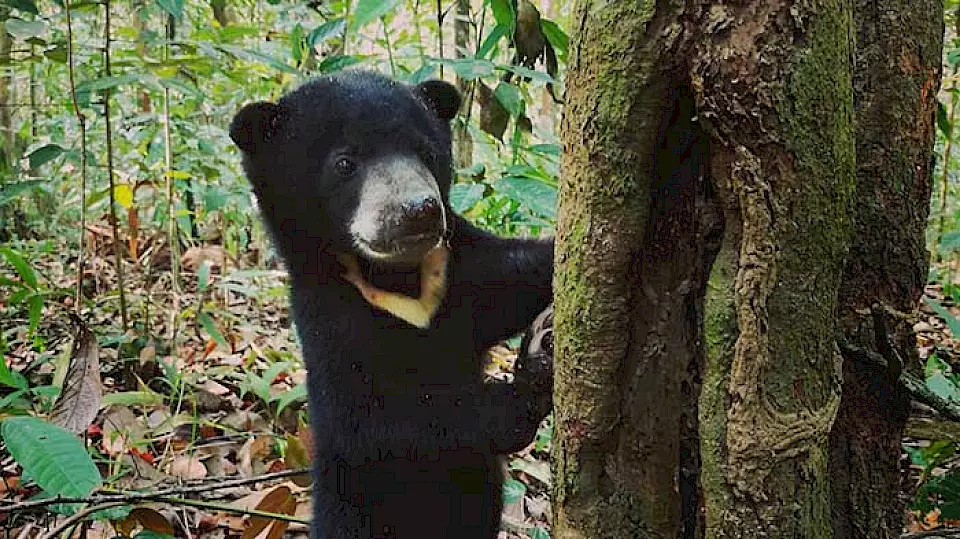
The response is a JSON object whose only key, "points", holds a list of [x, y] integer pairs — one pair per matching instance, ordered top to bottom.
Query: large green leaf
{"points": [[368, 11], [503, 12], [22, 29], [325, 31], [557, 37], [491, 41], [469, 68], [44, 155], [538, 196], [51, 456]]}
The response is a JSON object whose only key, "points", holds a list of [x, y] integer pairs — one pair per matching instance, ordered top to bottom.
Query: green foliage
{"points": [[50, 456]]}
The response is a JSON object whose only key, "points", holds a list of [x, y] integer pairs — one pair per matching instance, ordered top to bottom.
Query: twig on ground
{"points": [[127, 497]]}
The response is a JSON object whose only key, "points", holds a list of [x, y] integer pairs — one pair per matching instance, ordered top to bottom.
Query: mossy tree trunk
{"points": [[896, 80], [773, 83], [818, 215], [632, 262]]}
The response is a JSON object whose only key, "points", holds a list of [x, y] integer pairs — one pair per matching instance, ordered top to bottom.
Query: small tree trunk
{"points": [[896, 80], [773, 85]]}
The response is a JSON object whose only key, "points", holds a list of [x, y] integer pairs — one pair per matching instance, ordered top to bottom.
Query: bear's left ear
{"points": [[441, 96], [255, 124]]}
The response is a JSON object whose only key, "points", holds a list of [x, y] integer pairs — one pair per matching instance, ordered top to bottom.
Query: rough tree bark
{"points": [[896, 80], [773, 82], [631, 266]]}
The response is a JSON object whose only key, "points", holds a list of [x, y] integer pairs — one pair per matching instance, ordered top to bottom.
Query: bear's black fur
{"points": [[407, 435]]}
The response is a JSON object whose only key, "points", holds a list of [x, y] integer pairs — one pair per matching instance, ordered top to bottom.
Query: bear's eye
{"points": [[345, 167]]}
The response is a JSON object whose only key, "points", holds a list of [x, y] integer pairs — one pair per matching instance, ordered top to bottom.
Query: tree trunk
{"points": [[896, 80], [773, 85], [631, 266]]}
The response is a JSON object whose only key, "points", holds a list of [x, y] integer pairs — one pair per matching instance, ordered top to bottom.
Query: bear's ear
{"points": [[441, 96], [255, 124]]}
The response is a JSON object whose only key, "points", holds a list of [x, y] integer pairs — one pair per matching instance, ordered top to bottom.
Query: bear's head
{"points": [[353, 163]]}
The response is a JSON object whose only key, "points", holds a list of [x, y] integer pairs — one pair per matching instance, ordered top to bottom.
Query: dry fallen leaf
{"points": [[80, 398], [297, 457], [188, 467], [279, 500]]}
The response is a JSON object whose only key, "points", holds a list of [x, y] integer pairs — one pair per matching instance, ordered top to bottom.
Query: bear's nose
{"points": [[426, 211]]}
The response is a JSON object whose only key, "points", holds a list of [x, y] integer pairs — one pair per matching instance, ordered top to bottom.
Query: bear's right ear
{"points": [[441, 96], [255, 124]]}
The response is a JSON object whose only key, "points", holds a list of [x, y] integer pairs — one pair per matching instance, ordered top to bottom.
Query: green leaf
{"points": [[27, 6], [173, 7], [368, 11], [503, 12], [22, 29], [325, 31], [498, 32], [557, 37], [297, 44], [257, 57], [953, 57], [336, 63], [469, 68], [538, 76], [104, 83], [180, 85], [510, 97], [943, 121], [546, 149], [44, 154], [464, 196], [538, 196], [950, 241], [26, 273], [203, 276], [35, 310], [943, 313], [207, 323], [11, 378], [296, 393], [132, 398], [53, 457], [513, 491], [947, 491], [537, 532], [147, 534]]}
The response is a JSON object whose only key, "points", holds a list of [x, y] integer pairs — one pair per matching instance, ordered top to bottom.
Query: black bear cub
{"points": [[352, 175]]}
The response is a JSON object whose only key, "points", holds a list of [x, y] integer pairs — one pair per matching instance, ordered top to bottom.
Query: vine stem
{"points": [[386, 38], [82, 121], [114, 220], [172, 235]]}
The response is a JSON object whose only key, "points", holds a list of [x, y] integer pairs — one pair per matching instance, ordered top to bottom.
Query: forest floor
{"points": [[221, 417], [206, 419]]}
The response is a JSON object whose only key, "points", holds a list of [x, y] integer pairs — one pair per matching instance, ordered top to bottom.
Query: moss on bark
{"points": [[773, 80]]}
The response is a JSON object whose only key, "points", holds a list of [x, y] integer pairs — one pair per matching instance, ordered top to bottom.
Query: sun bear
{"points": [[395, 299]]}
